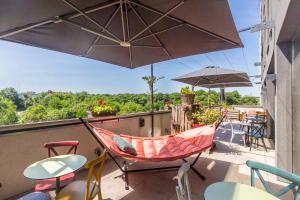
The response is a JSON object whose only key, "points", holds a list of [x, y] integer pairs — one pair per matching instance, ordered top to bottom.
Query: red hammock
{"points": [[164, 148]]}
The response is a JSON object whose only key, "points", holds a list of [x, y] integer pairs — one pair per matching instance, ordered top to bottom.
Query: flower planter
{"points": [[187, 99], [93, 114]]}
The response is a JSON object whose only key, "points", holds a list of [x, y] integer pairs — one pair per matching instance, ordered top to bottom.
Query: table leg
{"points": [[247, 138], [57, 189]]}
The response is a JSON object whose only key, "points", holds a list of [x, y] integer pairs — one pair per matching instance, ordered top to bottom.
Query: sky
{"points": [[33, 69]]}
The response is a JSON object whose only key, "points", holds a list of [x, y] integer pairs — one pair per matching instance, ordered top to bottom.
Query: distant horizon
{"points": [[27, 68], [55, 91]]}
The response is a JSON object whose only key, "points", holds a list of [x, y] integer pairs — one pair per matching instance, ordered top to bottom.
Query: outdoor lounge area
{"points": [[149, 99], [226, 163]]}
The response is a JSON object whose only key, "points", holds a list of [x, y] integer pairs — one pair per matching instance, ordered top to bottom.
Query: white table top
{"points": [[55, 166], [235, 191]]}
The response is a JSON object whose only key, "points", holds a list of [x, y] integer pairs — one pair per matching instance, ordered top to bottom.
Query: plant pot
{"points": [[187, 99], [103, 114]]}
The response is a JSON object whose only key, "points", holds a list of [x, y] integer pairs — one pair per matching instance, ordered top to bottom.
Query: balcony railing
{"points": [[21, 145]]}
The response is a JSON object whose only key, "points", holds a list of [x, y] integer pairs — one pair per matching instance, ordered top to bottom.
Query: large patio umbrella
{"points": [[129, 33], [216, 77]]}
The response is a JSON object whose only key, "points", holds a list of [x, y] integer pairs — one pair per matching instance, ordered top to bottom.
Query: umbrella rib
{"points": [[95, 8], [90, 19], [122, 19], [158, 19], [54, 20], [188, 24], [106, 26], [24, 28], [90, 30], [150, 30], [157, 32], [128, 34], [92, 45], [106, 45], [146, 46], [228, 83]]}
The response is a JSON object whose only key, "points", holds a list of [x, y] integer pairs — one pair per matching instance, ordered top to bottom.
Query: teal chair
{"points": [[293, 179]]}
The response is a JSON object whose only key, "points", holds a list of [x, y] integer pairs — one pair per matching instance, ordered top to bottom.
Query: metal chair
{"points": [[257, 131], [236, 132], [293, 179], [48, 184], [183, 188], [76, 191]]}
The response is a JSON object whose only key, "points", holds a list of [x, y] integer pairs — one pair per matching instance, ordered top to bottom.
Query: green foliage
{"points": [[151, 81], [186, 90], [12, 94], [233, 98], [248, 100], [50, 105], [131, 107], [103, 109], [8, 113], [34, 113], [206, 116]]}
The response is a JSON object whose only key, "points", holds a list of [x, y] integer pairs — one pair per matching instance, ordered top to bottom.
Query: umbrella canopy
{"points": [[129, 33], [216, 77]]}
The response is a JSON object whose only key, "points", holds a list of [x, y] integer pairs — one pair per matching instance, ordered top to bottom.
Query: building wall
{"points": [[281, 99], [296, 103], [18, 150]]}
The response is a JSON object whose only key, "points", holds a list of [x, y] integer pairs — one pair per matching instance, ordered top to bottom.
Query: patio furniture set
{"points": [[131, 34], [252, 126], [58, 171]]}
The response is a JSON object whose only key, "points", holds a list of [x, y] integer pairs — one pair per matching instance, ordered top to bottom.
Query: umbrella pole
{"points": [[222, 95], [208, 97], [152, 102]]}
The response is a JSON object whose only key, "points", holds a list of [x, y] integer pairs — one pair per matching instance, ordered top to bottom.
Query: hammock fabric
{"points": [[163, 148]]}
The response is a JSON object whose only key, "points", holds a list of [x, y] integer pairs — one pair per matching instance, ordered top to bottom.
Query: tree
{"points": [[151, 81], [12, 94], [233, 98], [248, 100], [131, 107], [8, 113], [34, 113]]}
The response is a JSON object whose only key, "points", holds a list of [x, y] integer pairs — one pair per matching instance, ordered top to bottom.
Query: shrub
{"points": [[131, 107], [8, 113], [34, 113], [206, 116]]}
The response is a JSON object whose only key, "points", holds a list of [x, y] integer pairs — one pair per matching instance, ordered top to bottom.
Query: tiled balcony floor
{"points": [[227, 163]]}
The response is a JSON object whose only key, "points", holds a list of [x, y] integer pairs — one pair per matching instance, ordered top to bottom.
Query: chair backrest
{"points": [[233, 115], [257, 129], [51, 146], [292, 178], [93, 183], [183, 188]]}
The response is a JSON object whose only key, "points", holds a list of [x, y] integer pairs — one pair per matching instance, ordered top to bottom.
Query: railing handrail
{"points": [[60, 123]]}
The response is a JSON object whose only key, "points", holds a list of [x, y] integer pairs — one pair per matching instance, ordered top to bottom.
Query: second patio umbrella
{"points": [[216, 77]]}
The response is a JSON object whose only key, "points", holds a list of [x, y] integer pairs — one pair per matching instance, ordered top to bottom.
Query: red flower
{"points": [[101, 102]]}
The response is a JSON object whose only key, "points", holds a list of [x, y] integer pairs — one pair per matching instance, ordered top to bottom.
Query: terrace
{"points": [[131, 34], [226, 163]]}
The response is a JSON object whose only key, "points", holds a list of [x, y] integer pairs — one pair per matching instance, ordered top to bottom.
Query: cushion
{"points": [[123, 145], [36, 196]]}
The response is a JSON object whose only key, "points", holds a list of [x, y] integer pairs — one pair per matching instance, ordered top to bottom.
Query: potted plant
{"points": [[187, 96], [103, 110], [205, 117]]}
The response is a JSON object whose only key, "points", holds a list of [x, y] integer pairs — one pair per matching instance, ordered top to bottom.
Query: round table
{"points": [[54, 167], [235, 191]]}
